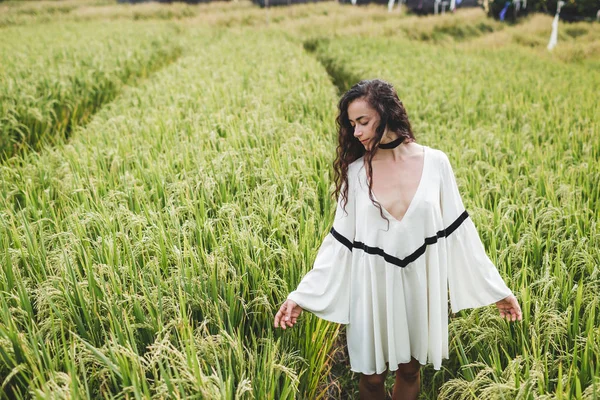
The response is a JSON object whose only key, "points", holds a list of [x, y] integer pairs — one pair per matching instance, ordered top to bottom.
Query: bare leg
{"points": [[408, 381], [372, 387]]}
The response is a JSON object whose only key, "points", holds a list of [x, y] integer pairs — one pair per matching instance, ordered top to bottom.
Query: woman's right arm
{"points": [[325, 289]]}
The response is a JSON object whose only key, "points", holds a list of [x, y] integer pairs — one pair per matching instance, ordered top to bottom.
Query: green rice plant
{"points": [[41, 12], [53, 78], [155, 246]]}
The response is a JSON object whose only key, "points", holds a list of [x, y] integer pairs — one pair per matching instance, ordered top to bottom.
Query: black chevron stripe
{"points": [[401, 262]]}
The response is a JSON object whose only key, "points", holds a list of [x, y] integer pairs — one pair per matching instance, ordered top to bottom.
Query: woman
{"points": [[400, 241]]}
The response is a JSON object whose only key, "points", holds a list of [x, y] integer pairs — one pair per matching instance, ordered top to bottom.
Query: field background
{"points": [[166, 176]]}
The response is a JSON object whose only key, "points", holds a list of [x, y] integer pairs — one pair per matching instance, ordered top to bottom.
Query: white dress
{"points": [[391, 286]]}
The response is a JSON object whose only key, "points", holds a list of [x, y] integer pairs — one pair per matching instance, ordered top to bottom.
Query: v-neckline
{"points": [[414, 198]]}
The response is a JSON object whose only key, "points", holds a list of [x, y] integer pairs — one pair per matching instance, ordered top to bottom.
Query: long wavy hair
{"points": [[382, 97]]}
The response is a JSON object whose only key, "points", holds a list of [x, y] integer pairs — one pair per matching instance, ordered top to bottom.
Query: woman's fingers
{"points": [[285, 306], [509, 309], [516, 310], [288, 313], [279, 317]]}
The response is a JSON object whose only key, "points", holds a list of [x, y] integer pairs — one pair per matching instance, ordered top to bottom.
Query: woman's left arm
{"points": [[473, 280]]}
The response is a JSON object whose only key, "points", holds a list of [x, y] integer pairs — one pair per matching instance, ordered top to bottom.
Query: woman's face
{"points": [[364, 120]]}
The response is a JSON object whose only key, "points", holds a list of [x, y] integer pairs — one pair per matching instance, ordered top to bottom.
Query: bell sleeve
{"points": [[473, 280], [325, 289]]}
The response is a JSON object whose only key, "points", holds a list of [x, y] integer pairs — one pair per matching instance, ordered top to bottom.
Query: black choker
{"points": [[392, 144]]}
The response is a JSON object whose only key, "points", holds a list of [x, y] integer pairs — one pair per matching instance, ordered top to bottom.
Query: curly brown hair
{"points": [[382, 97]]}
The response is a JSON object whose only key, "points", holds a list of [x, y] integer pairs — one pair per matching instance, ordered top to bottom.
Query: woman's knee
{"points": [[410, 371], [375, 381]]}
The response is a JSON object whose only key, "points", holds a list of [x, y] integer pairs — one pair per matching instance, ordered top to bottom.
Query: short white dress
{"points": [[390, 286]]}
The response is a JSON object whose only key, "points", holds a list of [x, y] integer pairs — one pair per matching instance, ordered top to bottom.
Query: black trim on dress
{"points": [[401, 262]]}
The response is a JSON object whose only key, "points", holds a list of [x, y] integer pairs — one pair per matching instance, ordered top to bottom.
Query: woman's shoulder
{"points": [[437, 153], [439, 156], [355, 165], [353, 170]]}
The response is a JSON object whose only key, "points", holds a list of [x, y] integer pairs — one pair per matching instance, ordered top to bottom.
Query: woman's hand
{"points": [[509, 308], [287, 314]]}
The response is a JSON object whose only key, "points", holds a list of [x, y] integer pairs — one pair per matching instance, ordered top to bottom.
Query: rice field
{"points": [[56, 77], [145, 252]]}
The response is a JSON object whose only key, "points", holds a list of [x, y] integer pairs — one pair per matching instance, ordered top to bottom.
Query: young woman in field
{"points": [[400, 241]]}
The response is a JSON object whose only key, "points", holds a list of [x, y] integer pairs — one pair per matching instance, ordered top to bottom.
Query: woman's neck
{"points": [[398, 153]]}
